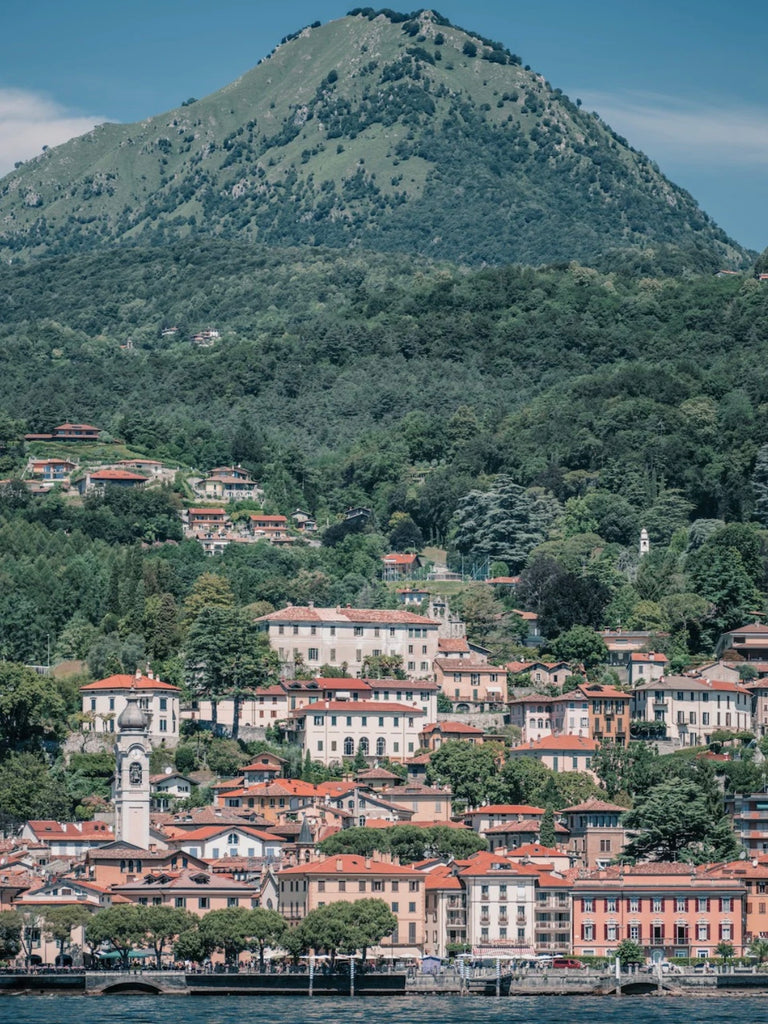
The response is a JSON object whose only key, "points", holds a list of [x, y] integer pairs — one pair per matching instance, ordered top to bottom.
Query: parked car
{"points": [[568, 963]]}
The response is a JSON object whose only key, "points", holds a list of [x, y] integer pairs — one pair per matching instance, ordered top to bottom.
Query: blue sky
{"points": [[684, 81]]}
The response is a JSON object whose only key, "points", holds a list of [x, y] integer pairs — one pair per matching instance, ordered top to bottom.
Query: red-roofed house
{"points": [[76, 432], [98, 479], [399, 567], [335, 636], [750, 642], [644, 667], [551, 673], [471, 683], [104, 700], [332, 730], [436, 733], [560, 753], [481, 819], [596, 835], [68, 839], [210, 842], [346, 878]]}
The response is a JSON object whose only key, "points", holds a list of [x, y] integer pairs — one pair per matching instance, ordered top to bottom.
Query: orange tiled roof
{"points": [[126, 682], [350, 864]]}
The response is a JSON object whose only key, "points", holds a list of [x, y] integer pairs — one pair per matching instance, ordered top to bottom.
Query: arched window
{"points": [[349, 746], [362, 746], [381, 747]]}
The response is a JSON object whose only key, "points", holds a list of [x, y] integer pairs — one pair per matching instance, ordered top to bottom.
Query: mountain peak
{"points": [[395, 132]]}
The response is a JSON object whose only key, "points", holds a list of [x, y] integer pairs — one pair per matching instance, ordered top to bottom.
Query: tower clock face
{"points": [[134, 773]]}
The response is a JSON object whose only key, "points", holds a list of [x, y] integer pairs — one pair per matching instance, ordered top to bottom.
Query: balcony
{"points": [[520, 919]]}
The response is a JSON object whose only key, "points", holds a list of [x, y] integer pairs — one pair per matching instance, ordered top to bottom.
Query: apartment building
{"points": [[348, 636], [692, 708], [332, 730], [347, 878], [669, 909]]}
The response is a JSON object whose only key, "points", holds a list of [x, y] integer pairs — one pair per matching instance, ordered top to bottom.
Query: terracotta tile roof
{"points": [[116, 474], [206, 512], [397, 559], [305, 613], [456, 644], [652, 657], [126, 682], [362, 707], [452, 728], [576, 744], [374, 774], [594, 803], [525, 809], [526, 825], [77, 830], [209, 831], [534, 850], [350, 864]]}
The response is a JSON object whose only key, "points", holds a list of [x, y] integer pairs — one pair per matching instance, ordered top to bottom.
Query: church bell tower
{"points": [[131, 796]]}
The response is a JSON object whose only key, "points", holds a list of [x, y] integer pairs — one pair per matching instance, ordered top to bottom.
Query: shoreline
{"points": [[372, 985]]}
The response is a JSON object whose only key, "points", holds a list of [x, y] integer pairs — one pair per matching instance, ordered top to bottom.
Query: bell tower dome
{"points": [[131, 794]]}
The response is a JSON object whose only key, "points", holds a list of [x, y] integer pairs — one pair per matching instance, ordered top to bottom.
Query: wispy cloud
{"points": [[29, 121], [667, 127]]}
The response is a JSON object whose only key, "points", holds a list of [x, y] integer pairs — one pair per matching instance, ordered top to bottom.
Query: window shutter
{"points": [[686, 904], [628, 930], [605, 931], [709, 931], [720, 931], [582, 933]]}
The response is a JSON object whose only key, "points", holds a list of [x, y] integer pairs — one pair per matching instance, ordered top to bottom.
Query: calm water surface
{"points": [[139, 1009]]}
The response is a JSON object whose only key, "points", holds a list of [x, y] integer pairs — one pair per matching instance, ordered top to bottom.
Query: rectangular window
{"points": [[357, 631], [313, 654], [203, 902], [588, 905]]}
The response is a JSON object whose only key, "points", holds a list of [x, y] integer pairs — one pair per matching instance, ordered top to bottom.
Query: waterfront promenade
{"points": [[487, 982]]}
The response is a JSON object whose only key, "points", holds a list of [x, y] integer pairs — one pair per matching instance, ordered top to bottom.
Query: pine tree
{"points": [[760, 485], [547, 835]]}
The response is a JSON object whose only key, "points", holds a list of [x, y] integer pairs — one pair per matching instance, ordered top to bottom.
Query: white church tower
{"points": [[645, 544], [131, 796]]}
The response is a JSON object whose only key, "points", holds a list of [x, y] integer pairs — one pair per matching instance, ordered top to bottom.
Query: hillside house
{"points": [[76, 432], [99, 479], [397, 566], [338, 636], [749, 642], [471, 683], [103, 702], [692, 708], [332, 730], [560, 753]]}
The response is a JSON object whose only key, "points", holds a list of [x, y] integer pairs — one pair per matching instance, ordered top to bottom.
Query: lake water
{"points": [[139, 1009]]}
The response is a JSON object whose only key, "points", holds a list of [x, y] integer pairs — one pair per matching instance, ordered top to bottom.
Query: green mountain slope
{"points": [[392, 134], [335, 373]]}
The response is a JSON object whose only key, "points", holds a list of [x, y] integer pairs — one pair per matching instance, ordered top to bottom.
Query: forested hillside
{"points": [[395, 133], [337, 373]]}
